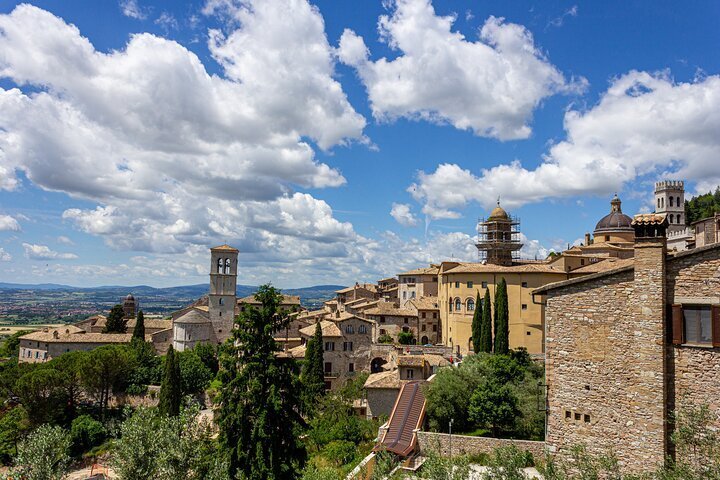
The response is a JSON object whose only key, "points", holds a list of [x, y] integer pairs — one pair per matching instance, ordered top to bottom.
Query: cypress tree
{"points": [[501, 318], [116, 321], [477, 325], [139, 332], [486, 333], [313, 375], [170, 389], [260, 398]]}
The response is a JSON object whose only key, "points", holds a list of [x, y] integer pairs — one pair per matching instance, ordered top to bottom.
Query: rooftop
{"points": [[490, 268], [431, 270], [287, 300], [329, 329], [61, 336], [389, 379]]}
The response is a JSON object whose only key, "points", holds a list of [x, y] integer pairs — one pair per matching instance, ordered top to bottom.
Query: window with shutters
{"points": [[696, 325]]}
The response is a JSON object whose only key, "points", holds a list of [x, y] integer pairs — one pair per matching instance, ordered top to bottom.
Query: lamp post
{"points": [[450, 433]]}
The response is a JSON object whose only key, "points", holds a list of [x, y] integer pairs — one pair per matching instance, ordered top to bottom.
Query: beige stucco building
{"points": [[418, 283], [46, 344]]}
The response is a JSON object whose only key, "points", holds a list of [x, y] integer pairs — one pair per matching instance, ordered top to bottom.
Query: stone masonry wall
{"points": [[604, 367], [462, 444]]}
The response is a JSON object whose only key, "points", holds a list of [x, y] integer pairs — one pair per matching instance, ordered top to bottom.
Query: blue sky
{"points": [[336, 140]]}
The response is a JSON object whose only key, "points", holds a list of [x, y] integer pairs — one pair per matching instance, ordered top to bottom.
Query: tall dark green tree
{"points": [[116, 321], [477, 325], [139, 331], [502, 332], [486, 333], [313, 374], [171, 387], [259, 417]]}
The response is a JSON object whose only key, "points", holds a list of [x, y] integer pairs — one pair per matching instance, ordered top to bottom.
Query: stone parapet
{"points": [[447, 445]]}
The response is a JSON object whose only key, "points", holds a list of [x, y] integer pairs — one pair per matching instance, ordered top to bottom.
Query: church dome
{"points": [[498, 213], [615, 221], [130, 298]]}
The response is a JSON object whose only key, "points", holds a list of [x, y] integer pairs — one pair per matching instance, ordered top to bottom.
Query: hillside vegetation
{"points": [[702, 206]]}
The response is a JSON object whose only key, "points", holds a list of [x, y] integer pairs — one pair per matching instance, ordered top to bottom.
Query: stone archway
{"points": [[424, 340], [376, 365]]}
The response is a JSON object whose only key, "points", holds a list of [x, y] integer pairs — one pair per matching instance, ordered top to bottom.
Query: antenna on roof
{"points": [[498, 200]]}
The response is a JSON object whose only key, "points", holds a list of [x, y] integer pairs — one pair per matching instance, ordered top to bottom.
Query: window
{"points": [[671, 201], [658, 203], [678, 218], [607, 238], [582, 261], [220, 265], [227, 266], [457, 284], [469, 284], [484, 284], [524, 284], [412, 294], [404, 295], [221, 301], [458, 304], [450, 305], [470, 305], [524, 306], [219, 314], [423, 314], [435, 315], [382, 319], [406, 320], [698, 324], [422, 328], [434, 328], [349, 329], [362, 329], [383, 331], [528, 333], [329, 346], [347, 346], [328, 367], [351, 367], [410, 374], [328, 386], [568, 413], [586, 418]]}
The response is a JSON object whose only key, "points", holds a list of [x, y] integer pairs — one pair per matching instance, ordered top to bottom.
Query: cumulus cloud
{"points": [[131, 8], [559, 21], [490, 85], [645, 125], [175, 157], [402, 214], [8, 224], [65, 240], [43, 252], [4, 256]]}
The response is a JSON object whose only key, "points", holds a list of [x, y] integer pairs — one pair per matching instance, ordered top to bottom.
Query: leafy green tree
{"points": [[702, 206], [116, 321], [486, 325], [476, 326], [139, 330], [502, 332], [385, 338], [406, 338], [11, 346], [208, 354], [70, 364], [148, 366], [104, 371], [313, 373], [194, 375], [171, 388], [43, 393], [448, 396], [494, 406], [259, 416], [14, 424], [85, 433], [43, 455]]}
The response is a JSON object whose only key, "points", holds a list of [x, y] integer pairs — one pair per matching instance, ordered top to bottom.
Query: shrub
{"points": [[385, 338], [406, 338], [85, 433], [340, 452]]}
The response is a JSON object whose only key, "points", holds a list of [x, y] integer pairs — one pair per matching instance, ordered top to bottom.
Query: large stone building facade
{"points": [[627, 347]]}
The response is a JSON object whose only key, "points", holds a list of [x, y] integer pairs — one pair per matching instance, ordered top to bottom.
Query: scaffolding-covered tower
{"points": [[498, 239]]}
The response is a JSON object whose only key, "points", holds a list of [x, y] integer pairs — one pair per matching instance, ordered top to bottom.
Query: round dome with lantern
{"points": [[615, 226]]}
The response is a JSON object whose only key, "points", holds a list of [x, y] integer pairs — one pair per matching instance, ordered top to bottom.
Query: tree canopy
{"points": [[702, 206], [116, 321], [486, 324], [476, 326], [502, 328], [139, 331], [313, 373], [171, 388]]}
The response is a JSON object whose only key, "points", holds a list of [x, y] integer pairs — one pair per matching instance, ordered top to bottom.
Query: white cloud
{"points": [[131, 8], [167, 21], [559, 21], [490, 86], [645, 125], [204, 159], [402, 214], [8, 224], [65, 240], [43, 252], [4, 256]]}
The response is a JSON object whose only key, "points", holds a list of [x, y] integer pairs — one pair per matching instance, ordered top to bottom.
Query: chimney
{"points": [[587, 239], [647, 312]]}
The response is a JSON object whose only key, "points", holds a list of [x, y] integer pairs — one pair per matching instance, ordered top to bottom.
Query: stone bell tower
{"points": [[670, 199], [222, 297]]}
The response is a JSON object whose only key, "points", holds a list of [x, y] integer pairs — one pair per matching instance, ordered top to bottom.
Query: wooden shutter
{"points": [[716, 325], [678, 332]]}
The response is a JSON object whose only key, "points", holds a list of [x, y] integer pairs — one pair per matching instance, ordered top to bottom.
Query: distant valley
{"points": [[41, 303]]}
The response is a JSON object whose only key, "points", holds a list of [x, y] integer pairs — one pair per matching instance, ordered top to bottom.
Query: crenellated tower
{"points": [[670, 200]]}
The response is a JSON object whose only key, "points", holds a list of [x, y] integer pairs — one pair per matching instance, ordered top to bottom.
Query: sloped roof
{"points": [[225, 248], [604, 265], [490, 268], [431, 270], [287, 300], [425, 303], [387, 308], [193, 316], [329, 329], [78, 337], [411, 360], [389, 379]]}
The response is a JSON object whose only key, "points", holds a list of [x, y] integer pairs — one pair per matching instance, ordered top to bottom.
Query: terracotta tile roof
{"points": [[649, 219], [225, 248], [604, 265], [489, 268], [431, 270], [287, 300], [425, 303], [388, 308], [194, 316], [152, 323], [329, 329], [62, 337], [297, 352], [411, 360], [436, 360], [390, 379]]}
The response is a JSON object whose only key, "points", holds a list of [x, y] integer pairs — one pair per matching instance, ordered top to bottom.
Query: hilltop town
{"points": [[645, 286]]}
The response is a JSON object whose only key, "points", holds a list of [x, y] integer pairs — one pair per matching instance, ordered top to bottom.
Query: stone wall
{"points": [[463, 444]]}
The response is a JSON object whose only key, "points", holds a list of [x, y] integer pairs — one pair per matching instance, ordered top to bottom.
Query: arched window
{"points": [[662, 200], [671, 200], [658, 203], [670, 218], [678, 218], [220, 265], [227, 266], [221, 302], [458, 304], [450, 305], [470, 305]]}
